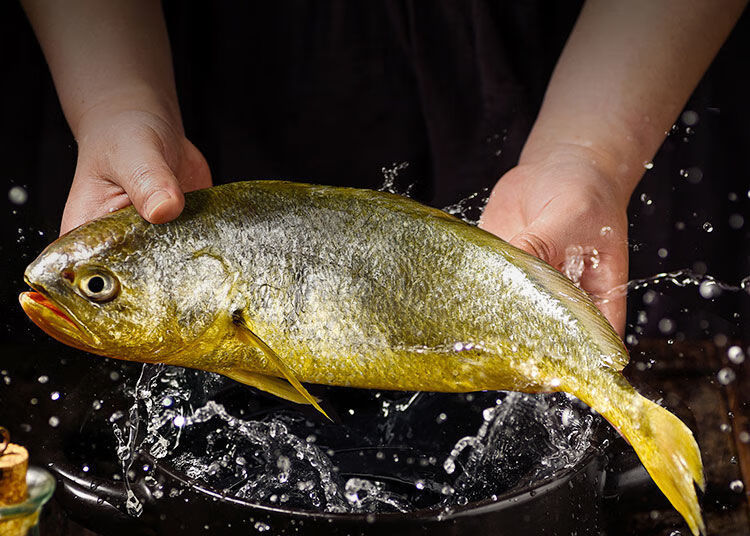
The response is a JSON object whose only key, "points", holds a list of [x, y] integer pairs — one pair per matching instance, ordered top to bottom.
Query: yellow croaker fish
{"points": [[272, 283]]}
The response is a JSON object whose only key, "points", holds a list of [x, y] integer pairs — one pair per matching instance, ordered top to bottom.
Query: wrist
{"points": [[101, 111], [616, 173]]}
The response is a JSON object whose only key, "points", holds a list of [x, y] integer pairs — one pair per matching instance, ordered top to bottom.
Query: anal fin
{"points": [[269, 384]]}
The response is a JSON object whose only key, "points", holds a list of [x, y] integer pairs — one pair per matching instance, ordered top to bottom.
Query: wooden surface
{"points": [[686, 375]]}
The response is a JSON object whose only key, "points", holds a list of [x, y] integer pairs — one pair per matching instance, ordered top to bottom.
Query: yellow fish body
{"points": [[272, 283]]}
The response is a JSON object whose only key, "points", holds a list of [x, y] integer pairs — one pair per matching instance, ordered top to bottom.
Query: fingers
{"points": [[133, 157], [149, 182]]}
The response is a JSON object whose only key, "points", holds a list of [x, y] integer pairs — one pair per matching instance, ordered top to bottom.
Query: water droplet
{"points": [[690, 118], [648, 164], [693, 175], [18, 195], [645, 199], [736, 221], [708, 227], [606, 230], [709, 289], [666, 326], [736, 355], [114, 375], [726, 376], [43, 379], [54, 395], [97, 404], [441, 418], [53, 421], [179, 421], [724, 427], [744, 436], [283, 463], [449, 465], [419, 484], [737, 486], [133, 505], [262, 527]]}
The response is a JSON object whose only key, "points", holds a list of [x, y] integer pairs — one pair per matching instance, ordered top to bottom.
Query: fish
{"points": [[275, 283]]}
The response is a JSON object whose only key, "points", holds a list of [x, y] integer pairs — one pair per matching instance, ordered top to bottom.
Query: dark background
{"points": [[329, 93]]}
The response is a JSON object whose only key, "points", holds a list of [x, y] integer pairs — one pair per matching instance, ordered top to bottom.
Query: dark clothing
{"points": [[331, 92]]}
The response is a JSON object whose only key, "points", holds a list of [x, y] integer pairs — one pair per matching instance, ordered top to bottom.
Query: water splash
{"points": [[390, 175], [469, 209], [577, 260], [708, 286], [560, 436], [285, 459]]}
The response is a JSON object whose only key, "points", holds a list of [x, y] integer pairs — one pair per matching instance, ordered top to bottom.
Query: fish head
{"points": [[121, 287]]}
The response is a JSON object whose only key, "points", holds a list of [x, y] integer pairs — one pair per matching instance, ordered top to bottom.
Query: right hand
{"points": [[132, 156]]}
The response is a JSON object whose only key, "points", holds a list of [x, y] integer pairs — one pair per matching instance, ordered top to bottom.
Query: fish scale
{"points": [[275, 283]]}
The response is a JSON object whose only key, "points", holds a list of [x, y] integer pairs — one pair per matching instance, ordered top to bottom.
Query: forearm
{"points": [[110, 53], [624, 75]]}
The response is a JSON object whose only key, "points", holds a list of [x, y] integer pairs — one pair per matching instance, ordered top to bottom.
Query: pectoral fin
{"points": [[249, 336], [269, 384]]}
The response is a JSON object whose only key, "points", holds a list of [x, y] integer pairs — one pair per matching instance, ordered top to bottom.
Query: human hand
{"points": [[126, 155], [561, 204]]}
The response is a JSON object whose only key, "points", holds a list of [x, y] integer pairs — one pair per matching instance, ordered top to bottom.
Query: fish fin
{"points": [[581, 306], [247, 333], [269, 384], [665, 446]]}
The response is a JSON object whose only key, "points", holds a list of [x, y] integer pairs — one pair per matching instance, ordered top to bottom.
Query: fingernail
{"points": [[154, 202]]}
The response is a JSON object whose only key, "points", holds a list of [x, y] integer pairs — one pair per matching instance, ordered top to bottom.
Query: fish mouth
{"points": [[55, 320]]}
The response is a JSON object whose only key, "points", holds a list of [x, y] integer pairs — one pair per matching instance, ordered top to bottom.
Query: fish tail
{"points": [[665, 446]]}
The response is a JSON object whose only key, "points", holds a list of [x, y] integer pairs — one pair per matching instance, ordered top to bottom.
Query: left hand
{"points": [[562, 203]]}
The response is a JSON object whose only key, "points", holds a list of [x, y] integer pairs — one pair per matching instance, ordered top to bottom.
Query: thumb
{"points": [[150, 184]]}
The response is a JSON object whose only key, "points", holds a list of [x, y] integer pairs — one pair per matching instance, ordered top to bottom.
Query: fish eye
{"points": [[99, 286]]}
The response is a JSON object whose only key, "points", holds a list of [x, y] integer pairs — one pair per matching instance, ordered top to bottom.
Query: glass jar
{"points": [[22, 519]]}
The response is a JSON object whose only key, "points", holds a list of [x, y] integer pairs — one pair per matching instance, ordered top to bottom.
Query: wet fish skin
{"points": [[351, 287]]}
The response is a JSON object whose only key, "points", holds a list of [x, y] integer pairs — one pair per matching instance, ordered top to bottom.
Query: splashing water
{"points": [[390, 174], [469, 209], [708, 286], [285, 459]]}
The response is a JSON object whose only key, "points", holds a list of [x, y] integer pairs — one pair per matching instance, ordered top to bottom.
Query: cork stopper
{"points": [[14, 462]]}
